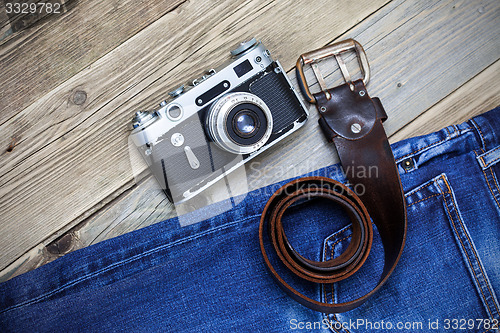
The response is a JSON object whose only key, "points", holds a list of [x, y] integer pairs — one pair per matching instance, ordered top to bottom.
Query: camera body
{"points": [[219, 122]]}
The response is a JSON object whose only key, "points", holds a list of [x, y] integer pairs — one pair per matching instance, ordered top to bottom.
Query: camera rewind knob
{"points": [[243, 47], [142, 118]]}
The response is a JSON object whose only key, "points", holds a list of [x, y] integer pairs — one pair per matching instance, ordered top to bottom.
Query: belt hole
{"points": [[408, 164]]}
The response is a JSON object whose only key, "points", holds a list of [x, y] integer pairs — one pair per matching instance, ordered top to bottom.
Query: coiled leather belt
{"points": [[353, 122]]}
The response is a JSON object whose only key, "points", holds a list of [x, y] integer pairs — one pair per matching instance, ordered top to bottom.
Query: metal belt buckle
{"points": [[328, 51]]}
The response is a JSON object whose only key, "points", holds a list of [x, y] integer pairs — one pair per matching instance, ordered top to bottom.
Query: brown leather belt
{"points": [[353, 122]]}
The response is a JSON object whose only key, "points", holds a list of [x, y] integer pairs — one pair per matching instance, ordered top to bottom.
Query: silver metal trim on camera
{"points": [[244, 47], [226, 73], [214, 95], [169, 109], [143, 118], [217, 122]]}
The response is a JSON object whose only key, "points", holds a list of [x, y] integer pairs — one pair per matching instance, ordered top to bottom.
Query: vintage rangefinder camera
{"points": [[218, 122]]}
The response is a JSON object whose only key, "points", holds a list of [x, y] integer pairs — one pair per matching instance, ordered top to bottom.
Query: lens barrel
{"points": [[239, 122]]}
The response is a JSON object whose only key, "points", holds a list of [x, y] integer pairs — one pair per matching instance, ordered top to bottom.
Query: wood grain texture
{"points": [[393, 37], [36, 60], [480, 94], [71, 158]]}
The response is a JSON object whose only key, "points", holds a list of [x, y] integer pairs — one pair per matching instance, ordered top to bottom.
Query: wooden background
{"points": [[71, 82]]}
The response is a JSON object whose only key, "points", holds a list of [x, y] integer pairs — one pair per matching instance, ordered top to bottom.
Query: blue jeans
{"points": [[210, 276]]}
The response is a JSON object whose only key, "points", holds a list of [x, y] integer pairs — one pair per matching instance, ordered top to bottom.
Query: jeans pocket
{"points": [[439, 282]]}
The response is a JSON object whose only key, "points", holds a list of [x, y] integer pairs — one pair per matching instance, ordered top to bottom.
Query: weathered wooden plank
{"points": [[20, 14], [36, 60], [477, 96], [71, 150], [117, 213]]}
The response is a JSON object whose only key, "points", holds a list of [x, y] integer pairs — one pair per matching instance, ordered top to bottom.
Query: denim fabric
{"points": [[210, 276]]}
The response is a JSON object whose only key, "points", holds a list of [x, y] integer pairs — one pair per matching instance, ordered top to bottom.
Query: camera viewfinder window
{"points": [[243, 68]]}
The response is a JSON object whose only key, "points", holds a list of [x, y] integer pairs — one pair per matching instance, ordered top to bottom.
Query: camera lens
{"points": [[240, 123], [245, 123]]}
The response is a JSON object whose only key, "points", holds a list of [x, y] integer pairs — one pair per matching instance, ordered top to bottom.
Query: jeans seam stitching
{"points": [[483, 144], [429, 145], [494, 149], [416, 151], [487, 153], [482, 161], [487, 165], [494, 179], [488, 183], [421, 187], [491, 190], [416, 202], [338, 232], [461, 243], [332, 247], [471, 248], [123, 262], [324, 289], [325, 295], [333, 314]]}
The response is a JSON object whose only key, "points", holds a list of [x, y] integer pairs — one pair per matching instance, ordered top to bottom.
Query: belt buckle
{"points": [[335, 50]]}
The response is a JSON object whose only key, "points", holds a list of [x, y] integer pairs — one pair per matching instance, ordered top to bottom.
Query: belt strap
{"points": [[353, 122]]}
